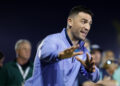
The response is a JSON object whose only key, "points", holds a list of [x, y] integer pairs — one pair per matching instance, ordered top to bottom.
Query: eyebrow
{"points": [[86, 20]]}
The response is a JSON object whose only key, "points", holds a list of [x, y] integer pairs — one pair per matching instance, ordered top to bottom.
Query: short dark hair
{"points": [[80, 8], [1, 55]]}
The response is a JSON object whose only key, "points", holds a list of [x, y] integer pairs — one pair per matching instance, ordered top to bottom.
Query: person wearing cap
{"points": [[96, 51], [15, 73]]}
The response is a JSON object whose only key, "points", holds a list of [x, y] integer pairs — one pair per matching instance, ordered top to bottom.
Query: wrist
{"points": [[60, 56]]}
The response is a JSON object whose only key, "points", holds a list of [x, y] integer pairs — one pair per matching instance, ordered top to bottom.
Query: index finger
{"points": [[88, 58], [92, 58]]}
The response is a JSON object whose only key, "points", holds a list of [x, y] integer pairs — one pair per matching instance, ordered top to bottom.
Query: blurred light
{"points": [[109, 62]]}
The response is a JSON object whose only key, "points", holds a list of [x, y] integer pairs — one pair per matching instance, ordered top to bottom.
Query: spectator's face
{"points": [[80, 25], [24, 51], [110, 55], [97, 56], [1, 62]]}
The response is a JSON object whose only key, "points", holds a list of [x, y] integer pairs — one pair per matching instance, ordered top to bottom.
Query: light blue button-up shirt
{"points": [[51, 71]]}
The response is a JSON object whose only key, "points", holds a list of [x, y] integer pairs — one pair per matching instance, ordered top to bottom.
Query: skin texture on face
{"points": [[80, 25], [24, 51], [110, 55], [98, 57]]}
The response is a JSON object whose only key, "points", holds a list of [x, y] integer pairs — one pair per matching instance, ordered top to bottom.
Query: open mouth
{"points": [[84, 33]]}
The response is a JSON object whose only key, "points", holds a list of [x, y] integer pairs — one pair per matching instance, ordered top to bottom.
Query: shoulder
{"points": [[53, 37], [9, 64]]}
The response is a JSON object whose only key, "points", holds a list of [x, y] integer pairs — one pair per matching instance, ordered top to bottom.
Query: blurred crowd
{"points": [[108, 64], [14, 73]]}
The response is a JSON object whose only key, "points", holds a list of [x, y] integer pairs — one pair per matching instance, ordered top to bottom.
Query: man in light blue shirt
{"points": [[62, 58]]}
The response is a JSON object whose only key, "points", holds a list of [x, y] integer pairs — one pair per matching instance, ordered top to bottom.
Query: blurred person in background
{"points": [[87, 44], [96, 52], [107, 55], [1, 60], [108, 65], [108, 70], [16, 72], [116, 75], [88, 83], [101, 83], [106, 83]]}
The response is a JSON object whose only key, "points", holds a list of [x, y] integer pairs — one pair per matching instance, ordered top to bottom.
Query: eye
{"points": [[83, 21], [90, 23]]}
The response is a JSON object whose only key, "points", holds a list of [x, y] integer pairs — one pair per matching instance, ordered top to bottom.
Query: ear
{"points": [[70, 21]]}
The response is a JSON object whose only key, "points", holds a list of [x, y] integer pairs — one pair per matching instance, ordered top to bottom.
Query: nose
{"points": [[87, 27]]}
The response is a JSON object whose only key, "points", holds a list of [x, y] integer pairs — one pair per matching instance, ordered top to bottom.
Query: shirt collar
{"points": [[64, 32]]}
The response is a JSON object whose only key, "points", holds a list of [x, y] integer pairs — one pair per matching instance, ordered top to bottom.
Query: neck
{"points": [[72, 38], [20, 61]]}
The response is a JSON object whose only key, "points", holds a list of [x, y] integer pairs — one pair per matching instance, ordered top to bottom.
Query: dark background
{"points": [[33, 20]]}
